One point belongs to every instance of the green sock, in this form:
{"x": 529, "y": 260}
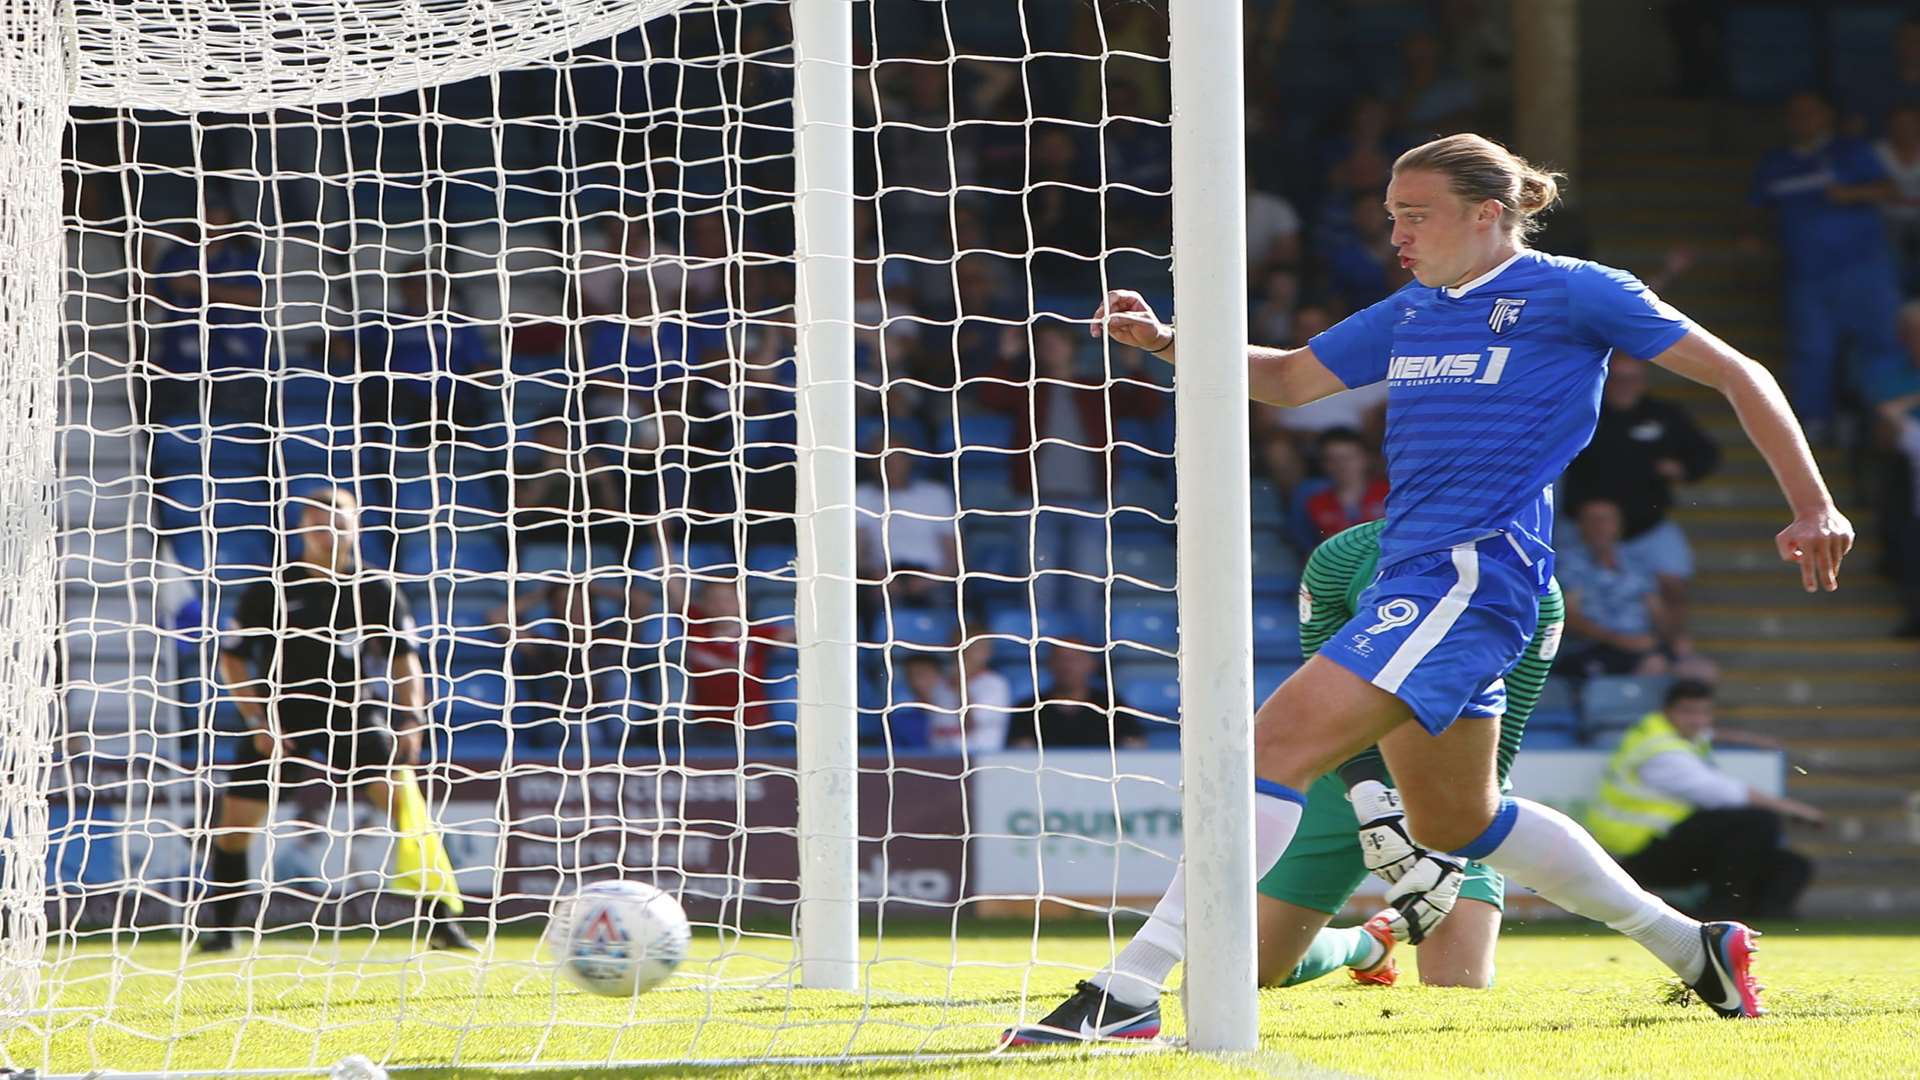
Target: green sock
{"x": 1332, "y": 950}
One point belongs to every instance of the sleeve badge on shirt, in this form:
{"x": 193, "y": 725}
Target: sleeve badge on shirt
{"x": 1506, "y": 312}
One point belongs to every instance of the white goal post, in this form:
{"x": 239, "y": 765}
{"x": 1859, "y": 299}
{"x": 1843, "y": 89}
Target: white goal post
{"x": 711, "y": 383}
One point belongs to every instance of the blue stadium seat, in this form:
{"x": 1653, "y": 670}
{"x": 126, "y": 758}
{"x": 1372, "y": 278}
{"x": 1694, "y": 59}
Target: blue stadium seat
{"x": 1153, "y": 627}
{"x": 776, "y": 608}
{"x": 1133, "y": 665}
{"x": 986, "y": 485}
{"x": 986, "y": 429}
{"x": 180, "y": 504}
{"x": 709, "y": 556}
{"x": 1153, "y": 694}
{"x": 1134, "y": 525}
{"x": 1162, "y": 736}
{"x": 1268, "y": 676}
{"x": 1154, "y": 496}
{"x": 1273, "y": 556}
{"x": 1156, "y": 434}
{"x": 477, "y": 500}
{"x": 306, "y": 455}
{"x": 243, "y": 554}
{"x": 1548, "y": 738}
{"x": 1613, "y": 703}
{"x": 1155, "y": 563}
{"x": 1020, "y": 681}
{"x": 1136, "y": 470}
{"x": 189, "y": 550}
{"x": 916, "y": 627}
{"x": 994, "y": 545}
{"x": 441, "y": 549}
{"x": 177, "y": 452}
{"x": 308, "y": 400}
{"x": 1274, "y": 587}
{"x": 1558, "y": 700}
{"x": 771, "y": 558}
{"x": 243, "y": 503}
{"x": 1276, "y": 632}
{"x": 1268, "y": 506}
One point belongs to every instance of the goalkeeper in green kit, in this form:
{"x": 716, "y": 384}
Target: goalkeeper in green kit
{"x": 1328, "y": 859}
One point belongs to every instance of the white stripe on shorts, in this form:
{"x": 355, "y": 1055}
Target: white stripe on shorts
{"x": 1433, "y": 628}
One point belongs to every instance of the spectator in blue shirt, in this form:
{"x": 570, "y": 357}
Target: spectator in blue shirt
{"x": 1360, "y": 261}
{"x": 1841, "y": 288}
{"x": 413, "y": 355}
{"x": 1613, "y": 604}
{"x": 208, "y": 300}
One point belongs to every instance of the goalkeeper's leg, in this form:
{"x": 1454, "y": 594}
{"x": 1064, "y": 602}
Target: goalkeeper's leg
{"x": 1446, "y": 783}
{"x": 1459, "y": 952}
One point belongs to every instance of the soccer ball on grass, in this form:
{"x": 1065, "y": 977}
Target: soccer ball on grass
{"x": 617, "y": 938}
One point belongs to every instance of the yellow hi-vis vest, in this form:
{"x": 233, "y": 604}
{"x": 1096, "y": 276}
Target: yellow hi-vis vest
{"x": 1627, "y": 815}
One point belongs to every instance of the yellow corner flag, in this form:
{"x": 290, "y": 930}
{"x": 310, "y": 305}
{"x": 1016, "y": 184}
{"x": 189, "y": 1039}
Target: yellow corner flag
{"x": 420, "y": 863}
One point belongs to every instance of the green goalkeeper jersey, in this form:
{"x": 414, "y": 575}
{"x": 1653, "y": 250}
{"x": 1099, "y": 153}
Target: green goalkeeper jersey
{"x": 1341, "y": 568}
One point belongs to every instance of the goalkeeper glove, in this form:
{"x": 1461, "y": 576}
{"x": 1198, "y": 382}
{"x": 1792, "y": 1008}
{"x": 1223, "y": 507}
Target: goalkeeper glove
{"x": 1385, "y": 845}
{"x": 1424, "y": 895}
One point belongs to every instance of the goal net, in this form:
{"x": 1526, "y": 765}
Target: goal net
{"x": 504, "y": 331}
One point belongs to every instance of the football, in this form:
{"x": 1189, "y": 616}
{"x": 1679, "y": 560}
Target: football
{"x": 617, "y": 938}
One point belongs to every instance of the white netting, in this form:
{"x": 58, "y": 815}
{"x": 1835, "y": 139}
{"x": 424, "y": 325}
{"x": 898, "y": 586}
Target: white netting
{"x": 240, "y": 55}
{"x": 535, "y": 315}
{"x": 30, "y": 125}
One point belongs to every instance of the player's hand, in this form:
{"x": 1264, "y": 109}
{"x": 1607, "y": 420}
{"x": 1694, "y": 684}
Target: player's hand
{"x": 1127, "y": 318}
{"x": 1425, "y": 895}
{"x": 406, "y": 747}
{"x": 265, "y": 742}
{"x": 1818, "y": 542}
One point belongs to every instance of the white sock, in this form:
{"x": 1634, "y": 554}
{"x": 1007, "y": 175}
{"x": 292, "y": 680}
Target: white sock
{"x": 1139, "y": 971}
{"x": 1547, "y": 852}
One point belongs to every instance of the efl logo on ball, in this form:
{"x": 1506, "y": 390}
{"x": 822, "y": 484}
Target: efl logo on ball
{"x": 618, "y": 938}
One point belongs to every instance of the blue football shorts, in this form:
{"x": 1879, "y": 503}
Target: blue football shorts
{"x": 1439, "y": 630}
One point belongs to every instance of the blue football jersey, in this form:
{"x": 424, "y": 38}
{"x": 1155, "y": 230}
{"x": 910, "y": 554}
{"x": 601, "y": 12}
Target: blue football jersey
{"x": 1493, "y": 387}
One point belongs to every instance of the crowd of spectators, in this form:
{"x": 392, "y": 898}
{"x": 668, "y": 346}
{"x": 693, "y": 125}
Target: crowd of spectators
{"x": 629, "y": 430}
{"x": 604, "y": 414}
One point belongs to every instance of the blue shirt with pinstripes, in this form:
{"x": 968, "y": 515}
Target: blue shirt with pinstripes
{"x": 1493, "y": 387}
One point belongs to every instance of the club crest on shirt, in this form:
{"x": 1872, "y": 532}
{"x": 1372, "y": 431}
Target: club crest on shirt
{"x": 1506, "y": 312}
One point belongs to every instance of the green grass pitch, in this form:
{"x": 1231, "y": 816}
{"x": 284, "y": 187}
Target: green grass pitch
{"x": 1845, "y": 1002}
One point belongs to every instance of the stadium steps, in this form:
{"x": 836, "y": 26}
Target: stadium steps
{"x": 1817, "y": 621}
{"x": 1826, "y": 721}
{"x": 1714, "y": 554}
{"x": 1817, "y": 671}
{"x": 1849, "y": 654}
{"x": 1816, "y": 684}
{"x": 1877, "y": 756}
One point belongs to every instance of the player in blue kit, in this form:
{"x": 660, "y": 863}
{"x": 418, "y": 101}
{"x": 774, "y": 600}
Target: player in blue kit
{"x": 1494, "y": 358}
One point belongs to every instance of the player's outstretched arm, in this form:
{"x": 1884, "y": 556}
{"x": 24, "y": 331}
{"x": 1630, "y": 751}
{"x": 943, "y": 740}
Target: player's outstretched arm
{"x": 1275, "y": 376}
{"x": 1820, "y": 535}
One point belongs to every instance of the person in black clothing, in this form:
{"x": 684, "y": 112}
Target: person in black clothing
{"x": 1641, "y": 448}
{"x": 1074, "y": 712}
{"x": 321, "y": 661}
